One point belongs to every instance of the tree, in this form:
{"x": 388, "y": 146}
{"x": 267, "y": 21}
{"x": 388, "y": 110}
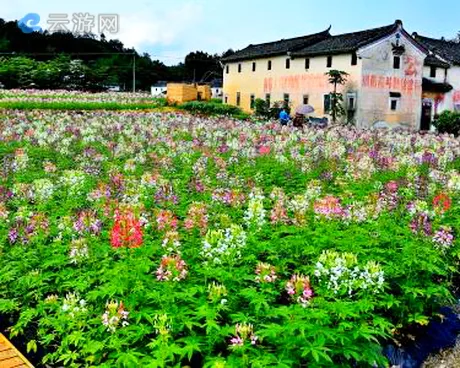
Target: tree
{"x": 336, "y": 77}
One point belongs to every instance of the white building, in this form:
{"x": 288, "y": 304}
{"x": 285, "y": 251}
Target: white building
{"x": 159, "y": 89}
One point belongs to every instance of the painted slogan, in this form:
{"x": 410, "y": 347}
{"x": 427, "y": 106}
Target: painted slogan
{"x": 406, "y": 85}
{"x": 296, "y": 83}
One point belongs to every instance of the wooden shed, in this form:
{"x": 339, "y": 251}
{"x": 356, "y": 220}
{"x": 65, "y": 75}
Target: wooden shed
{"x": 181, "y": 92}
{"x": 10, "y": 357}
{"x": 184, "y": 92}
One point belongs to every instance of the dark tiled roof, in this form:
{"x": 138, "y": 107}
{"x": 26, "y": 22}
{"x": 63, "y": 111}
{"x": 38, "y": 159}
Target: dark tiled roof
{"x": 432, "y": 60}
{"x": 347, "y": 42}
{"x": 160, "y": 84}
{"x": 448, "y": 50}
{"x": 280, "y": 47}
{"x": 432, "y": 86}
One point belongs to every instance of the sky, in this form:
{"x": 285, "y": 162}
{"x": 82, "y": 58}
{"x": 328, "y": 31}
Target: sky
{"x": 170, "y": 29}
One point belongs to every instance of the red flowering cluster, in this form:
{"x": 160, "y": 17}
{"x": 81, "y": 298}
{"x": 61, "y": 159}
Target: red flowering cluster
{"x": 442, "y": 203}
{"x": 127, "y": 230}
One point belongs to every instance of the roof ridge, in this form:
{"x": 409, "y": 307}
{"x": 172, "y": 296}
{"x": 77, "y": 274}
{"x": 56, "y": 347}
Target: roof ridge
{"x": 366, "y": 30}
{"x": 290, "y": 39}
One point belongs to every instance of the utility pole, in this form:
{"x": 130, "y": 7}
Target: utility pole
{"x": 134, "y": 71}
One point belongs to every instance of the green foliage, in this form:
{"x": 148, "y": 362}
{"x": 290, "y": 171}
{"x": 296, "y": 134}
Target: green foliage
{"x": 210, "y": 108}
{"x": 190, "y": 322}
{"x": 336, "y": 77}
{"x": 448, "y": 122}
{"x": 103, "y": 62}
{"x": 261, "y": 108}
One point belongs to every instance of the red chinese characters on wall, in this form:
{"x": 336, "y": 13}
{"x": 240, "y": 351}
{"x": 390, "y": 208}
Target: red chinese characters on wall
{"x": 412, "y": 66}
{"x": 296, "y": 83}
{"x": 405, "y": 85}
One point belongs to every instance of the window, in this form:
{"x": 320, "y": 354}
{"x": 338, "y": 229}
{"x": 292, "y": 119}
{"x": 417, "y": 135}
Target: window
{"x": 267, "y": 99}
{"x": 307, "y": 63}
{"x": 327, "y": 103}
{"x": 253, "y": 100}
{"x": 354, "y": 59}
{"x": 305, "y": 99}
{"x": 227, "y": 69}
{"x": 286, "y": 99}
{"x": 329, "y": 61}
{"x": 253, "y": 66}
{"x": 288, "y": 63}
{"x": 269, "y": 65}
{"x": 239, "y": 68}
{"x": 395, "y": 100}
{"x": 226, "y": 99}
{"x": 351, "y": 101}
{"x": 396, "y": 62}
{"x": 433, "y": 72}
{"x": 238, "y": 98}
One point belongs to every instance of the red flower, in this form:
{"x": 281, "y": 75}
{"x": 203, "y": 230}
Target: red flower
{"x": 126, "y": 231}
{"x": 442, "y": 203}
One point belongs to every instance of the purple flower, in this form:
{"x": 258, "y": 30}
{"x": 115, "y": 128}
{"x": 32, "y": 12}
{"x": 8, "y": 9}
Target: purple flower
{"x": 13, "y": 236}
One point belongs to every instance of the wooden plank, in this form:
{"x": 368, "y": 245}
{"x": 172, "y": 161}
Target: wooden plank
{"x": 3, "y": 347}
{"x": 11, "y": 363}
{"x": 6, "y": 354}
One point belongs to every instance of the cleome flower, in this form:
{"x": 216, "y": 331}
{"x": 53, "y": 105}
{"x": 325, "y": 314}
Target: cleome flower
{"x": 217, "y": 293}
{"x": 115, "y": 316}
{"x": 197, "y": 217}
{"x": 244, "y": 332}
{"x": 223, "y": 246}
{"x": 299, "y": 289}
{"x": 255, "y": 214}
{"x": 443, "y": 238}
{"x": 442, "y": 203}
{"x": 171, "y": 242}
{"x": 126, "y": 230}
{"x": 265, "y": 273}
{"x": 172, "y": 268}
{"x": 73, "y": 305}
{"x": 78, "y": 251}
{"x": 341, "y": 273}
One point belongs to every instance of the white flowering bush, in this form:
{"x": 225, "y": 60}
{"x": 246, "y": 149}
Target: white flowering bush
{"x": 223, "y": 246}
{"x": 341, "y": 274}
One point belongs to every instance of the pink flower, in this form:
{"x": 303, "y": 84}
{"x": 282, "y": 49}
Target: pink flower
{"x": 264, "y": 150}
{"x": 265, "y": 273}
{"x": 298, "y": 287}
{"x": 172, "y": 268}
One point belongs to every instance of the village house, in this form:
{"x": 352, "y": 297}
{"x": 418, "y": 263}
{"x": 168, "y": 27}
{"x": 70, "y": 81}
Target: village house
{"x": 392, "y": 75}
{"x": 159, "y": 89}
{"x": 441, "y": 82}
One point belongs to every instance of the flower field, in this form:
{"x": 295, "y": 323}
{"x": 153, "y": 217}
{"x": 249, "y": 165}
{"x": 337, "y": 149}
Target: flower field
{"x": 137, "y": 239}
{"x": 75, "y": 100}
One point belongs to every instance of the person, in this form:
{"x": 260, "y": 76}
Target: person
{"x": 284, "y": 117}
{"x": 298, "y": 121}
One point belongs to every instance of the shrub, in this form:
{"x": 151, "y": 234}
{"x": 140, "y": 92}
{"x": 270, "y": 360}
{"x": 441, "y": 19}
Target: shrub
{"x": 261, "y": 108}
{"x": 210, "y": 108}
{"x": 448, "y": 122}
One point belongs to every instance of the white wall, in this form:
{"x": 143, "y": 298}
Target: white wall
{"x": 379, "y": 78}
